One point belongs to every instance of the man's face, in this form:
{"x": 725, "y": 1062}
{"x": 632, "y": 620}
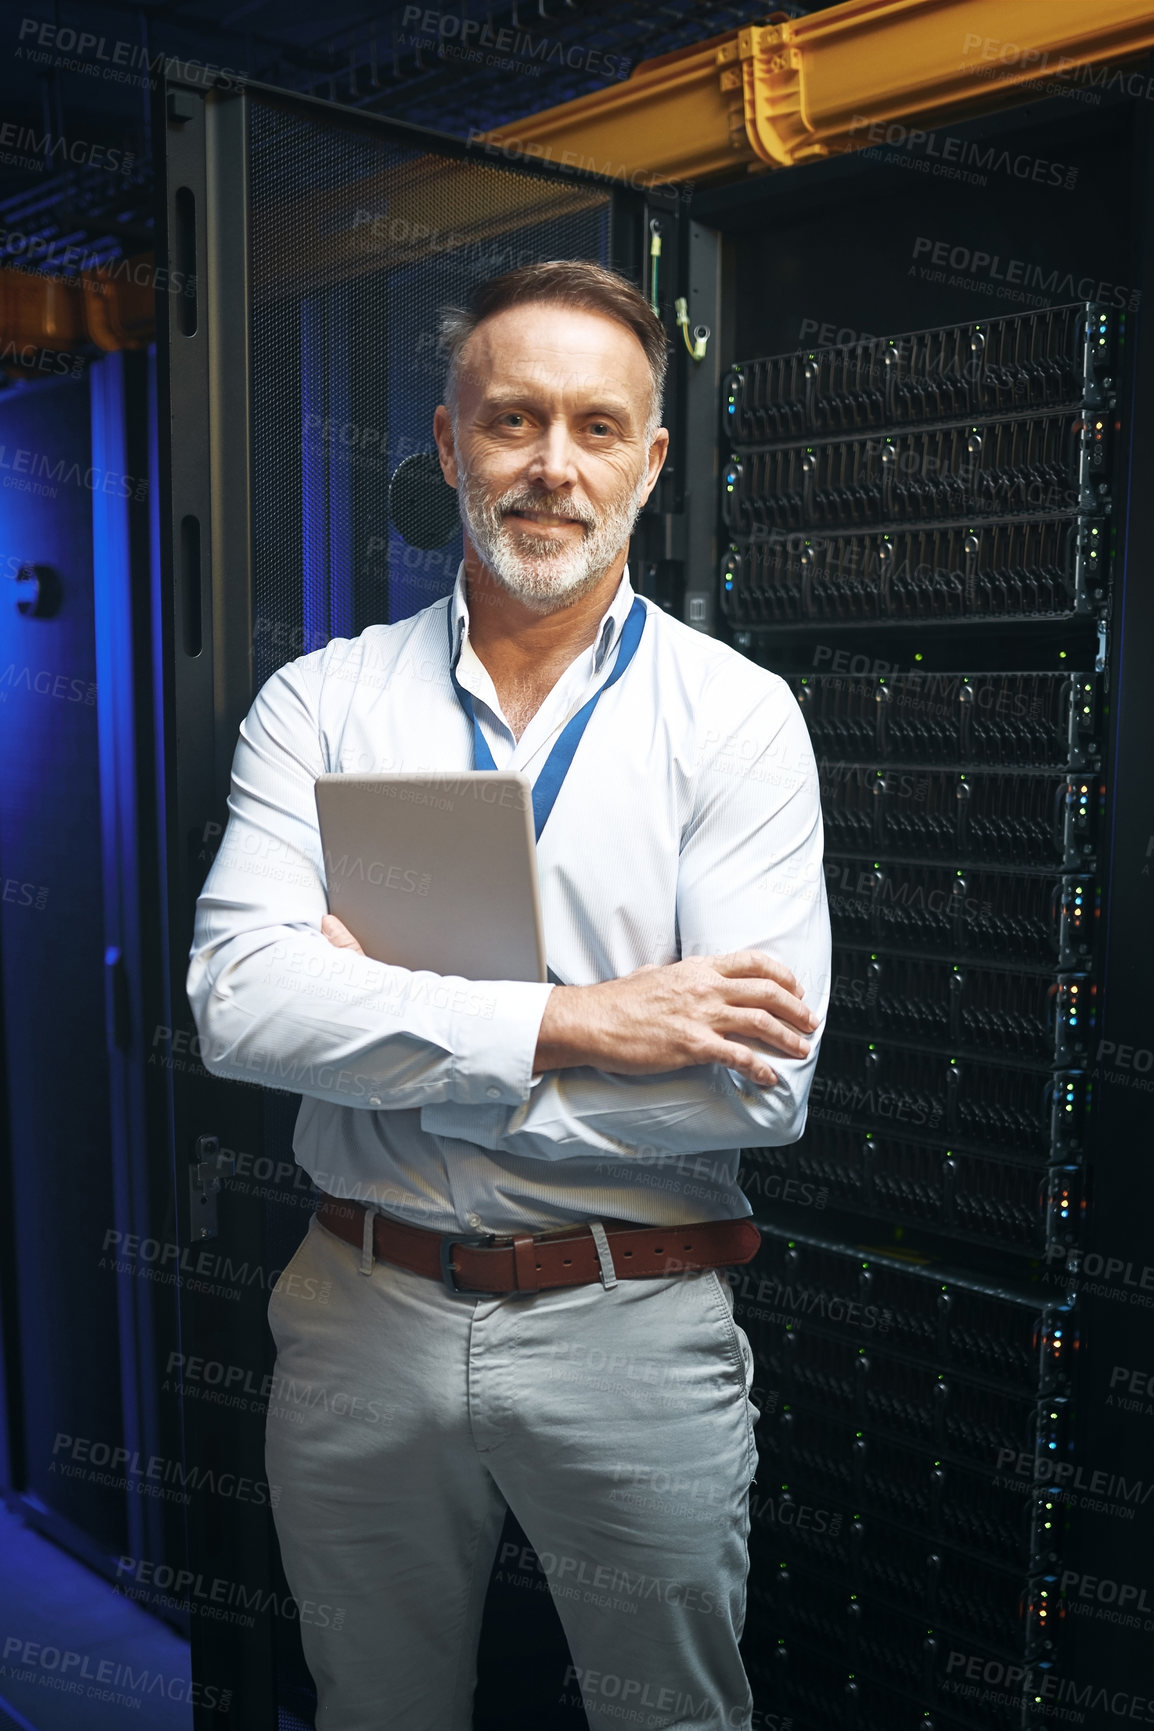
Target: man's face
{"x": 549, "y": 455}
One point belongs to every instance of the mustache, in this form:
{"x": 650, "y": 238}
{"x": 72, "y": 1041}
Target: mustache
{"x": 554, "y": 505}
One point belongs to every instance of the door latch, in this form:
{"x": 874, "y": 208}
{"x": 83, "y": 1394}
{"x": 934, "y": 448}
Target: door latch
{"x": 207, "y": 1169}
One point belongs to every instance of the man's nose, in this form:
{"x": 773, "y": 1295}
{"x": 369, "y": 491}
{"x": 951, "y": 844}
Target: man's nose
{"x": 552, "y": 462}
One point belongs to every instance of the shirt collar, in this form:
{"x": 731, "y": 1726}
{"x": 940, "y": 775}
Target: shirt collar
{"x": 609, "y": 630}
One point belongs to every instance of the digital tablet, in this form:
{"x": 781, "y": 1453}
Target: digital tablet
{"x": 436, "y": 872}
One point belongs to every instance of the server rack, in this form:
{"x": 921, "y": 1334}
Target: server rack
{"x": 934, "y": 534}
{"x": 960, "y": 814}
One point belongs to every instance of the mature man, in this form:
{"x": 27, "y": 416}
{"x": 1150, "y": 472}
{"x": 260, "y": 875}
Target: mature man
{"x": 590, "y": 1376}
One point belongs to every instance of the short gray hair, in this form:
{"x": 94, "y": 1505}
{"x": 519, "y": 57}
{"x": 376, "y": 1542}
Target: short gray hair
{"x": 573, "y": 283}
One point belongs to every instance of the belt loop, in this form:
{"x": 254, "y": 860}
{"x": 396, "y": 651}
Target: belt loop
{"x": 367, "y": 1239}
{"x": 604, "y": 1255}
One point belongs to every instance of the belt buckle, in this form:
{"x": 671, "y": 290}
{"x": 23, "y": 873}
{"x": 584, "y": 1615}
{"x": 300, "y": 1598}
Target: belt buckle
{"x": 448, "y": 1273}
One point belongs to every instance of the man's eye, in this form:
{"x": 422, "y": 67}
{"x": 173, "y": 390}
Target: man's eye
{"x": 599, "y": 427}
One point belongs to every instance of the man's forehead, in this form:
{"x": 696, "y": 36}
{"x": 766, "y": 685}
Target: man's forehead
{"x": 559, "y": 373}
{"x": 591, "y": 356}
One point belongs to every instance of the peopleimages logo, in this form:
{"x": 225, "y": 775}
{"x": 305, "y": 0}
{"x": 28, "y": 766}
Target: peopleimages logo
{"x": 420, "y": 23}
{"x": 192, "y": 1592}
{"x": 47, "y": 148}
{"x": 944, "y": 149}
{"x": 76, "y": 1673}
{"x": 127, "y": 1469}
{"x": 391, "y": 877}
{"x": 1057, "y": 284}
{"x": 53, "y": 44}
{"x": 999, "y": 1682}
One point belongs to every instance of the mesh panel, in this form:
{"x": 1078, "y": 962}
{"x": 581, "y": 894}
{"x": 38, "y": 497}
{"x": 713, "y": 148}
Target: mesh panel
{"x": 287, "y": 1721}
{"x": 357, "y": 241}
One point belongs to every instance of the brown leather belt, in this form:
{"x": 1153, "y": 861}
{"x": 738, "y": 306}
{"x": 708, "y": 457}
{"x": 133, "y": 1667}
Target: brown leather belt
{"x": 535, "y": 1261}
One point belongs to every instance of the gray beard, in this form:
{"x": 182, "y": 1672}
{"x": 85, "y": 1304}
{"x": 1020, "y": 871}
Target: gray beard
{"x": 541, "y": 573}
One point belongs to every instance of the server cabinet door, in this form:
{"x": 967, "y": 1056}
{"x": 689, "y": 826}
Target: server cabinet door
{"x": 305, "y": 252}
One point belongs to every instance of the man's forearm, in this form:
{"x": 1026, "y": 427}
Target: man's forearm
{"x": 577, "y": 1112}
{"x": 564, "y": 1037}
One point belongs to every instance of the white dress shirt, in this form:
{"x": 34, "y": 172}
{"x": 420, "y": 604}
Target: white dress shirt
{"x": 688, "y": 824}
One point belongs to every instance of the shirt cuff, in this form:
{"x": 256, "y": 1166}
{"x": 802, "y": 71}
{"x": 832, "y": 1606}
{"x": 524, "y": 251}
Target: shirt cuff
{"x": 495, "y": 1036}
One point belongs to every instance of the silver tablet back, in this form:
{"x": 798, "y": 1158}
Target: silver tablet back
{"x": 436, "y": 871}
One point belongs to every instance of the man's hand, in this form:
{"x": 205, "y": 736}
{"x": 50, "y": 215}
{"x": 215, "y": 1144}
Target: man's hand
{"x": 700, "y": 1011}
{"x": 339, "y": 934}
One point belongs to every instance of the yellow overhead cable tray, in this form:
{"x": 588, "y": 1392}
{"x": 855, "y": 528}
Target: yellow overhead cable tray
{"x": 104, "y": 309}
{"x": 804, "y": 88}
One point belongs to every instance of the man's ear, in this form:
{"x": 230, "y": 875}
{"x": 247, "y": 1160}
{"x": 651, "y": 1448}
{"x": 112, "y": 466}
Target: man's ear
{"x": 658, "y": 451}
{"x": 443, "y": 434}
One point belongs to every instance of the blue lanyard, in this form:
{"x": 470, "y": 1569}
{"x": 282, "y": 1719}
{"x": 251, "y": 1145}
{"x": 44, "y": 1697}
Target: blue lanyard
{"x": 548, "y": 783}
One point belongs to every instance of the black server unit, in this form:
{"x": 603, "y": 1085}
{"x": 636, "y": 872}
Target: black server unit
{"x": 934, "y": 523}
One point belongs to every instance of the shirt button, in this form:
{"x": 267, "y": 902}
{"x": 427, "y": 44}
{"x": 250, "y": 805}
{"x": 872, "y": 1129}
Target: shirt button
{"x": 374, "y": 1099}
{"x": 493, "y": 1093}
{"x": 474, "y": 1221}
